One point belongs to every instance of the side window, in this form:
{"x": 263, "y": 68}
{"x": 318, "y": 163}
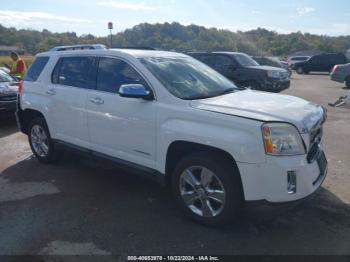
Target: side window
{"x": 113, "y": 73}
{"x": 36, "y": 68}
{"x": 315, "y": 59}
{"x": 224, "y": 65}
{"x": 208, "y": 60}
{"x": 337, "y": 59}
{"x": 223, "y": 61}
{"x": 73, "y": 71}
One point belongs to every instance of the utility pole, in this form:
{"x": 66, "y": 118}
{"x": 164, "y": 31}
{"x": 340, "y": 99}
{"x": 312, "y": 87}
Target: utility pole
{"x": 110, "y": 27}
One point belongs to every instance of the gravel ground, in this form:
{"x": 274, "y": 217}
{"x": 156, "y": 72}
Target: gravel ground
{"x": 84, "y": 206}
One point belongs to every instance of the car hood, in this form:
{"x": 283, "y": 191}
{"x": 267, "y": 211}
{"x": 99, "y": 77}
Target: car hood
{"x": 266, "y": 107}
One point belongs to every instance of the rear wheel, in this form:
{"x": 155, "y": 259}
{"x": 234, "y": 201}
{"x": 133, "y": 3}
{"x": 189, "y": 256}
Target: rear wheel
{"x": 207, "y": 189}
{"x": 347, "y": 82}
{"x": 300, "y": 70}
{"x": 40, "y": 141}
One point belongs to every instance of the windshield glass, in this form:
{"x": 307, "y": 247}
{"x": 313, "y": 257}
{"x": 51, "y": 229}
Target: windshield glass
{"x": 245, "y": 60}
{"x": 187, "y": 78}
{"x": 4, "y": 77}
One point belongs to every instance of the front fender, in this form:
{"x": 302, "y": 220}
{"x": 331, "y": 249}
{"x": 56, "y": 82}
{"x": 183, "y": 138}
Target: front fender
{"x": 243, "y": 142}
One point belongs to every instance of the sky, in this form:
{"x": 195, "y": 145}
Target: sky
{"x": 91, "y": 16}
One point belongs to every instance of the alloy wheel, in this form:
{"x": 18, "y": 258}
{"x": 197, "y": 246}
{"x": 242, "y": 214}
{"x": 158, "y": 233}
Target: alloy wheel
{"x": 39, "y": 141}
{"x": 202, "y": 191}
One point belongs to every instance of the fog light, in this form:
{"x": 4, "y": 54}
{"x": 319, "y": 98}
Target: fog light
{"x": 291, "y": 182}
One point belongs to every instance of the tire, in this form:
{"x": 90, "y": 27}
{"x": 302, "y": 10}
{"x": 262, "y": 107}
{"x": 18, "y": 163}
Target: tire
{"x": 203, "y": 204}
{"x": 347, "y": 82}
{"x": 299, "y": 70}
{"x": 41, "y": 143}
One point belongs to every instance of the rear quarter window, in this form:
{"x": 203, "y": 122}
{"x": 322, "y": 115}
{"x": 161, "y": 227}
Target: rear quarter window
{"x": 73, "y": 71}
{"x": 36, "y": 68}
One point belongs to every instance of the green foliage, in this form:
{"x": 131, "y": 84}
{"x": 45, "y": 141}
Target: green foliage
{"x": 183, "y": 39}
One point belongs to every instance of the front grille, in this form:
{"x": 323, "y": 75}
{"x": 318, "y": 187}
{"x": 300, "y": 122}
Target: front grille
{"x": 8, "y": 98}
{"x": 284, "y": 75}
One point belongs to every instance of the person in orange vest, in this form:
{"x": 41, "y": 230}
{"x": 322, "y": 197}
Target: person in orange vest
{"x": 18, "y": 67}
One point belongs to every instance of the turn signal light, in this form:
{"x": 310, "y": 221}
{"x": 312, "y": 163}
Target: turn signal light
{"x": 335, "y": 68}
{"x": 268, "y": 140}
{"x": 20, "y": 87}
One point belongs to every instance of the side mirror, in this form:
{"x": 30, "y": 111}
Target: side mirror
{"x": 135, "y": 91}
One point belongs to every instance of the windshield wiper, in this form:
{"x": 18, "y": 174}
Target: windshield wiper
{"x": 225, "y": 92}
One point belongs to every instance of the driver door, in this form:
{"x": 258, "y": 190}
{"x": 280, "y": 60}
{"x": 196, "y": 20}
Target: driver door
{"x": 124, "y": 128}
{"x": 226, "y": 66}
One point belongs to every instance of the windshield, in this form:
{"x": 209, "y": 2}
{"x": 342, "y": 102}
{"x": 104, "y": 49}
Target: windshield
{"x": 187, "y": 78}
{"x": 4, "y": 77}
{"x": 245, "y": 60}
{"x": 301, "y": 58}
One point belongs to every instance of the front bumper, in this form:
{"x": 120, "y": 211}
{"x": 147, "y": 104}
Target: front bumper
{"x": 269, "y": 181}
{"x": 7, "y": 107}
{"x": 276, "y": 85}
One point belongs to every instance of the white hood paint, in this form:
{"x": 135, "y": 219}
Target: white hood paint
{"x": 265, "y": 107}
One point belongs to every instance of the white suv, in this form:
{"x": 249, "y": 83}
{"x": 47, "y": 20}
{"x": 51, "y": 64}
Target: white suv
{"x": 176, "y": 120}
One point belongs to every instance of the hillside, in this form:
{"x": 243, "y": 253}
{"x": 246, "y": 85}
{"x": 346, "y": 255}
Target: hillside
{"x": 183, "y": 38}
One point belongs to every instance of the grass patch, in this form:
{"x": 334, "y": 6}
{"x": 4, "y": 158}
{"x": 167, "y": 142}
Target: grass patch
{"x": 7, "y": 60}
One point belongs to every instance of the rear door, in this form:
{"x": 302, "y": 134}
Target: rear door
{"x": 315, "y": 64}
{"x": 124, "y": 128}
{"x": 325, "y": 63}
{"x": 71, "y": 79}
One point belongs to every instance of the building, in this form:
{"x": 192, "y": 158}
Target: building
{"x": 6, "y": 50}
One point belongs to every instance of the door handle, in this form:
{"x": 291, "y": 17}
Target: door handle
{"x": 97, "y": 101}
{"x": 51, "y": 92}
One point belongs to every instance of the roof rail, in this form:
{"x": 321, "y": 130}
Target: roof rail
{"x": 78, "y": 47}
{"x": 137, "y": 48}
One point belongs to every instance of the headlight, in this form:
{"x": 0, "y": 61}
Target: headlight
{"x": 282, "y": 139}
{"x": 273, "y": 74}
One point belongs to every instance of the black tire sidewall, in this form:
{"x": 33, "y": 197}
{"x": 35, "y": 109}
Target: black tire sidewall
{"x": 51, "y": 156}
{"x": 229, "y": 179}
{"x": 299, "y": 70}
{"x": 347, "y": 82}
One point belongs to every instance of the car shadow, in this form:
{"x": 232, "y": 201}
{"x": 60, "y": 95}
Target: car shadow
{"x": 96, "y": 201}
{"x": 8, "y": 126}
{"x": 319, "y": 73}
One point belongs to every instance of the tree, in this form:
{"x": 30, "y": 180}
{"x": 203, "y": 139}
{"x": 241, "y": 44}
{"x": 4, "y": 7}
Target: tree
{"x": 181, "y": 38}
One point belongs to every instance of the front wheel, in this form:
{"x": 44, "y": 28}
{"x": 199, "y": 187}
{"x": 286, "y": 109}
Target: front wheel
{"x": 40, "y": 141}
{"x": 207, "y": 189}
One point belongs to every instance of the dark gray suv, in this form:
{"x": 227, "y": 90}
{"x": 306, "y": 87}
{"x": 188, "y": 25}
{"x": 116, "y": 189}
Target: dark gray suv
{"x": 245, "y": 71}
{"x": 8, "y": 94}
